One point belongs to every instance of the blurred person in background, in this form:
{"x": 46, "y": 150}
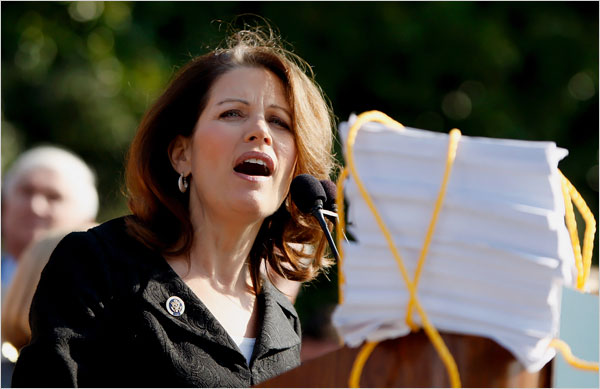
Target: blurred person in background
{"x": 47, "y": 187}
{"x": 173, "y": 295}
{"x": 16, "y": 332}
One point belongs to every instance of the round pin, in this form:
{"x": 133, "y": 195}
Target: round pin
{"x": 175, "y": 306}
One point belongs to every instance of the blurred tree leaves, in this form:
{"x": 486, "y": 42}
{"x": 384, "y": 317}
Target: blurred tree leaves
{"x": 81, "y": 74}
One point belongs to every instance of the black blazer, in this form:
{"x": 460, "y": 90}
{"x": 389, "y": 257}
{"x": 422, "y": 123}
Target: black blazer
{"x": 99, "y": 319}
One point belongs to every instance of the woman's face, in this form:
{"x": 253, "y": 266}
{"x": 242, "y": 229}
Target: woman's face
{"x": 242, "y": 151}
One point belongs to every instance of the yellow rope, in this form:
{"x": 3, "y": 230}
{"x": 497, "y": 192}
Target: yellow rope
{"x": 570, "y": 358}
{"x": 359, "y": 363}
{"x": 362, "y": 118}
{"x": 572, "y": 228}
{"x": 583, "y": 259}
{"x": 339, "y": 201}
{"x": 430, "y": 330}
{"x": 452, "y": 146}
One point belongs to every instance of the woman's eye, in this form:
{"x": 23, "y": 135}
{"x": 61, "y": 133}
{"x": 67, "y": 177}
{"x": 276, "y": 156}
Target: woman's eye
{"x": 232, "y": 113}
{"x": 279, "y": 122}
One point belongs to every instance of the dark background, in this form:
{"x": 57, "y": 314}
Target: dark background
{"x": 81, "y": 75}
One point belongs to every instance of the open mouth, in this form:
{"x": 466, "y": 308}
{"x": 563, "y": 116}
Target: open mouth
{"x": 253, "y": 167}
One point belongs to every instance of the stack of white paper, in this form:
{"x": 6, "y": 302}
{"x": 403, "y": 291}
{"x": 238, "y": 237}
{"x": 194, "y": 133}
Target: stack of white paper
{"x": 500, "y": 253}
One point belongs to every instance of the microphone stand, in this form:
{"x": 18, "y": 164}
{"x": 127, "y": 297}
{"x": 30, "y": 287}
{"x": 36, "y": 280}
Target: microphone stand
{"x": 317, "y": 212}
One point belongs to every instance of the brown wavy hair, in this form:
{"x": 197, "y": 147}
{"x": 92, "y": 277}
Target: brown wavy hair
{"x": 291, "y": 243}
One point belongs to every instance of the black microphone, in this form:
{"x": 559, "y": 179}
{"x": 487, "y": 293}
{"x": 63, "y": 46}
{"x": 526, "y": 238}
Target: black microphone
{"x": 309, "y": 196}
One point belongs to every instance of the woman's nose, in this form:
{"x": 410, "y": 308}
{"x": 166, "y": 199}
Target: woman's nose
{"x": 259, "y": 132}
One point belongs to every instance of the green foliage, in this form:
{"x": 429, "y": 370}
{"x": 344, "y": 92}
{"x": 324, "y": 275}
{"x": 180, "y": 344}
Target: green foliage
{"x": 81, "y": 74}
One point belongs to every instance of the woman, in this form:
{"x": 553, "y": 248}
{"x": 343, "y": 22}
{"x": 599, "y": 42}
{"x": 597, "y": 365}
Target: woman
{"x": 176, "y": 294}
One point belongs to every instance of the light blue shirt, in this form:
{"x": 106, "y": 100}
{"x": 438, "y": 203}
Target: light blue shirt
{"x": 8, "y": 267}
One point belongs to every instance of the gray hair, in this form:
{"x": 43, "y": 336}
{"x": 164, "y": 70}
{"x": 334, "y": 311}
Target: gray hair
{"x": 78, "y": 174}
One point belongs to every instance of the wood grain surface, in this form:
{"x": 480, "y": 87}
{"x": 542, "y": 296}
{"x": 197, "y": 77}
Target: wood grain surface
{"x": 411, "y": 361}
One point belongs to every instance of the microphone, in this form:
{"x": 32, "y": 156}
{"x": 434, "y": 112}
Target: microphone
{"x": 309, "y": 196}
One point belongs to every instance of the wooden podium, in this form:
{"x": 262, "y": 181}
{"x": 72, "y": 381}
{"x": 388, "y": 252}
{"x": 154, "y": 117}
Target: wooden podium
{"x": 411, "y": 361}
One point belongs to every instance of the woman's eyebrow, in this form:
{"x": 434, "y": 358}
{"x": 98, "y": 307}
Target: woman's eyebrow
{"x": 233, "y": 100}
{"x": 245, "y": 102}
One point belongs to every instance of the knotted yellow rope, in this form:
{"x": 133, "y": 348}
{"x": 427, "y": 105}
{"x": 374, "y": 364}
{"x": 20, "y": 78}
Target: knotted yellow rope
{"x": 570, "y": 195}
{"x": 430, "y": 330}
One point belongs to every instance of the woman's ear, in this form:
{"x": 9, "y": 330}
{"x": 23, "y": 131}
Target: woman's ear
{"x": 180, "y": 154}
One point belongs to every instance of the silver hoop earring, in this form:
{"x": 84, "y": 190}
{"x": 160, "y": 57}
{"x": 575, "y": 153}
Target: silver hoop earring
{"x": 183, "y": 183}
